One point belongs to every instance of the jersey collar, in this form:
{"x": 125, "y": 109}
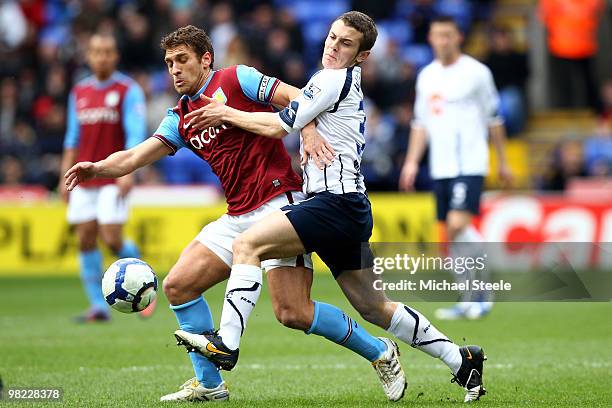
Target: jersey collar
{"x": 203, "y": 88}
{"x": 103, "y": 84}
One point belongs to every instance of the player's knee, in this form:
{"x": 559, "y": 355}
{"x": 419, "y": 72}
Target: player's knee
{"x": 454, "y": 228}
{"x": 170, "y": 286}
{"x": 176, "y": 288}
{"x": 243, "y": 244}
{"x": 88, "y": 243}
{"x": 292, "y": 317}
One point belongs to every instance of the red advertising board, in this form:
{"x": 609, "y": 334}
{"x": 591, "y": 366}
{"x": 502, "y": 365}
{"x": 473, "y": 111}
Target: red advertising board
{"x": 521, "y": 219}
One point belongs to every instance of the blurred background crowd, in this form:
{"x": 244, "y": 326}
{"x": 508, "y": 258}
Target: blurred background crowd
{"x": 556, "y": 90}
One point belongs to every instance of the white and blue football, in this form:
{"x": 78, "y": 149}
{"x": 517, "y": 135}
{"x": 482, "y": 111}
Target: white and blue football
{"x": 129, "y": 285}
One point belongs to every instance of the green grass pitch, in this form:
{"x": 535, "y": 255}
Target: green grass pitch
{"x": 540, "y": 354}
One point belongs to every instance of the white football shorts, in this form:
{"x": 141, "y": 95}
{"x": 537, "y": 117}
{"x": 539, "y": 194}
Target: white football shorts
{"x": 102, "y": 204}
{"x": 219, "y": 235}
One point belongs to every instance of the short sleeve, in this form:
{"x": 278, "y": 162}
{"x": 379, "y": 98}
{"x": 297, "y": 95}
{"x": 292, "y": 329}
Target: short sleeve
{"x": 255, "y": 85}
{"x": 71, "y": 139}
{"x": 319, "y": 95}
{"x": 420, "y": 107}
{"x": 489, "y": 99}
{"x": 168, "y": 132}
{"x": 134, "y": 116}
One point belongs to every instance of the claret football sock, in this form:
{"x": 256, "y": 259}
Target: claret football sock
{"x": 195, "y": 317}
{"x": 333, "y": 324}
{"x": 128, "y": 250}
{"x": 413, "y": 328}
{"x": 91, "y": 276}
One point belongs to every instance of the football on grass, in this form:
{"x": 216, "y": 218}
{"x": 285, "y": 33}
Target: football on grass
{"x": 129, "y": 285}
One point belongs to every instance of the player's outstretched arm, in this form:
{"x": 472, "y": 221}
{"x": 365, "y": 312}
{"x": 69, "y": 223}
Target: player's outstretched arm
{"x": 215, "y": 113}
{"x": 284, "y": 94}
{"x": 117, "y": 164}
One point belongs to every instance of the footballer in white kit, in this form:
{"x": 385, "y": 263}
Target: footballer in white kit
{"x": 455, "y": 111}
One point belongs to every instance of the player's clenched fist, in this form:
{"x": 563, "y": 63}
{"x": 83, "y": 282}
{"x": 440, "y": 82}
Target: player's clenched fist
{"x": 78, "y": 173}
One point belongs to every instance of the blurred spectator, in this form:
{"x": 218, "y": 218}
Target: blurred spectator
{"x": 286, "y": 20}
{"x": 294, "y": 71}
{"x": 422, "y": 13}
{"x": 277, "y": 52}
{"x": 13, "y": 25}
{"x": 482, "y": 9}
{"x": 378, "y": 10}
{"x": 396, "y": 78}
{"x": 377, "y": 164}
{"x": 222, "y": 33}
{"x": 598, "y": 151}
{"x": 572, "y": 42}
{"x": 567, "y": 162}
{"x": 11, "y": 172}
{"x": 510, "y": 71}
{"x": 136, "y": 43}
{"x": 236, "y": 54}
{"x": 606, "y": 99}
{"x": 8, "y": 108}
{"x": 256, "y": 32}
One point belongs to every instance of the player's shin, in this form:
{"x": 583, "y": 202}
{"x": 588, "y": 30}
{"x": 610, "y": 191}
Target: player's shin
{"x": 241, "y": 295}
{"x": 333, "y": 324}
{"x": 91, "y": 276}
{"x": 415, "y": 329}
{"x": 195, "y": 317}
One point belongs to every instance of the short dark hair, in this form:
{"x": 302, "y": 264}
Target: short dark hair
{"x": 364, "y": 24}
{"x": 106, "y": 36}
{"x": 445, "y": 19}
{"x": 193, "y": 37}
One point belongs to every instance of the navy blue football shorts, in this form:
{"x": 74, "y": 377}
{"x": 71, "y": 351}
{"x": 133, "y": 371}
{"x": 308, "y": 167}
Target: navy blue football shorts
{"x": 335, "y": 226}
{"x": 459, "y": 193}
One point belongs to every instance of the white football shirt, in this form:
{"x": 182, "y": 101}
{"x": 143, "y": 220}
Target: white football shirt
{"x": 455, "y": 105}
{"x": 335, "y": 99}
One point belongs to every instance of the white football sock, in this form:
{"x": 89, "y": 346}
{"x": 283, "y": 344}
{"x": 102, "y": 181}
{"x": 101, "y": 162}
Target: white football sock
{"x": 469, "y": 234}
{"x": 413, "y": 328}
{"x": 241, "y": 294}
{"x": 468, "y": 244}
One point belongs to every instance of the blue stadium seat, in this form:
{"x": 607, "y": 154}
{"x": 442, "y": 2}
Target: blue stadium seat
{"x": 460, "y": 10}
{"x": 399, "y": 31}
{"x": 417, "y": 54}
{"x": 404, "y": 8}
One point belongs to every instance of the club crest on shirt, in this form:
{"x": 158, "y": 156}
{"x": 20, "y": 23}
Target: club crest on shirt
{"x": 111, "y": 99}
{"x": 219, "y": 95}
{"x": 311, "y": 92}
{"x": 436, "y": 104}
